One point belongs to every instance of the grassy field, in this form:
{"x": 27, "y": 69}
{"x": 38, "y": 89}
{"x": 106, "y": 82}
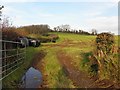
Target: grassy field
{"x": 74, "y": 49}
{"x": 75, "y": 46}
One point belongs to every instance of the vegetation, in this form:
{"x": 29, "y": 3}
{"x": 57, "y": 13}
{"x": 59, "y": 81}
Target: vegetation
{"x": 85, "y": 54}
{"x": 36, "y": 29}
{"x": 56, "y": 75}
{"x": 13, "y": 80}
{"x": 104, "y": 59}
{"x": 44, "y": 38}
{"x": 77, "y": 54}
{"x": 66, "y": 28}
{"x": 79, "y": 49}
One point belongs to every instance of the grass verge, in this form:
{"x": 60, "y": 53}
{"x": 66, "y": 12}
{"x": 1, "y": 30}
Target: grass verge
{"x": 13, "y": 79}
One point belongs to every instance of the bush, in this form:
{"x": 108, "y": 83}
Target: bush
{"x": 9, "y": 34}
{"x": 104, "y": 42}
{"x": 104, "y": 55}
{"x": 103, "y": 61}
{"x": 44, "y": 39}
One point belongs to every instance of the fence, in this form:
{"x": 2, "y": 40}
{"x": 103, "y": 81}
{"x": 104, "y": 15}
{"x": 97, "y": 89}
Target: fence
{"x": 12, "y": 56}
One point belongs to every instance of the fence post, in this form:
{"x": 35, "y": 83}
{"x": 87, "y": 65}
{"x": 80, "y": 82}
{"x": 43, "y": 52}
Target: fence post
{"x": 17, "y": 54}
{"x": 5, "y": 59}
{"x": 25, "y": 53}
{"x": 0, "y": 63}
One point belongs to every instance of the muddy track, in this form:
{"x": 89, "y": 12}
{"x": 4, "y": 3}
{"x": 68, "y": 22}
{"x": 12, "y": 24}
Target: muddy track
{"x": 38, "y": 58}
{"x": 80, "y": 78}
{"x": 38, "y": 63}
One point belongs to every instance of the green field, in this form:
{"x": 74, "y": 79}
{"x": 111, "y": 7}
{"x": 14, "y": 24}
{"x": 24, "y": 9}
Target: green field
{"x": 72, "y": 48}
{"x": 75, "y": 46}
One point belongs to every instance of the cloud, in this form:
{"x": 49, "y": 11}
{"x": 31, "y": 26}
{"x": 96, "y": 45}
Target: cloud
{"x": 93, "y": 17}
{"x": 46, "y": 15}
{"x": 95, "y": 14}
{"x": 103, "y": 24}
{"x": 4, "y": 1}
{"x": 59, "y": 1}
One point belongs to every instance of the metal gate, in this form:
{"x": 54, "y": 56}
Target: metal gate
{"x": 12, "y": 56}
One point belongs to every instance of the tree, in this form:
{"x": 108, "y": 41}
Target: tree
{"x": 36, "y": 29}
{"x": 1, "y": 7}
{"x": 55, "y": 29}
{"x": 62, "y": 28}
{"x": 94, "y": 32}
{"x": 0, "y": 17}
{"x": 65, "y": 27}
{"x": 5, "y": 23}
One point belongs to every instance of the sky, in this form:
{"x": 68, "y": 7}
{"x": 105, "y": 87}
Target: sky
{"x": 84, "y": 15}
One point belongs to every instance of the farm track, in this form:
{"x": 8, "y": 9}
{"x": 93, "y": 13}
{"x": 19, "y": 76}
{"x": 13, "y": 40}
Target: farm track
{"x": 39, "y": 65}
{"x": 80, "y": 79}
{"x": 68, "y": 43}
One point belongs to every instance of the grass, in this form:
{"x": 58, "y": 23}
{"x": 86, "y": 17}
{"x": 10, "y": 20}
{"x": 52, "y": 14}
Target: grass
{"x": 83, "y": 45}
{"x": 79, "y": 47}
{"x": 56, "y": 76}
{"x": 13, "y": 79}
{"x": 80, "y": 51}
{"x": 74, "y": 37}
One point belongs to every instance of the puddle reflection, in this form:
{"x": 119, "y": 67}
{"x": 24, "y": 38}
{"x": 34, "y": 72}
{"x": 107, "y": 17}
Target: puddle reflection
{"x": 31, "y": 79}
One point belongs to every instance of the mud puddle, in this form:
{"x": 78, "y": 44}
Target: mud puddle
{"x": 31, "y": 79}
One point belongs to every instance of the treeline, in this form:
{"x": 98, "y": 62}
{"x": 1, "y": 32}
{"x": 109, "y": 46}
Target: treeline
{"x": 39, "y": 32}
{"x": 10, "y": 32}
{"x": 36, "y": 29}
{"x": 66, "y": 28}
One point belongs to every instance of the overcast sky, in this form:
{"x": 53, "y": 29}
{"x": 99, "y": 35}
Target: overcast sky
{"x": 102, "y": 16}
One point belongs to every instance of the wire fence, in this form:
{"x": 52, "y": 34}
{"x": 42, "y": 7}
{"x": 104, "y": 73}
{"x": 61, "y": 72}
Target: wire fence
{"x": 12, "y": 56}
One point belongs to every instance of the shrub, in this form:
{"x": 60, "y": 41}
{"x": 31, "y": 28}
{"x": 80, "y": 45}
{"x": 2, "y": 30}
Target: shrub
{"x": 45, "y": 38}
{"x": 104, "y": 57}
{"x": 103, "y": 61}
{"x": 104, "y": 42}
{"x": 9, "y": 34}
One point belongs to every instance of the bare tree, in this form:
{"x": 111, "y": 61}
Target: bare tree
{"x": 94, "y": 32}
{"x": 1, "y": 11}
{"x": 5, "y": 23}
{"x": 0, "y": 16}
{"x": 62, "y": 28}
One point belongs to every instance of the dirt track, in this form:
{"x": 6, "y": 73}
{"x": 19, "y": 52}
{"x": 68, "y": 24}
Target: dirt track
{"x": 39, "y": 65}
{"x": 79, "y": 78}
